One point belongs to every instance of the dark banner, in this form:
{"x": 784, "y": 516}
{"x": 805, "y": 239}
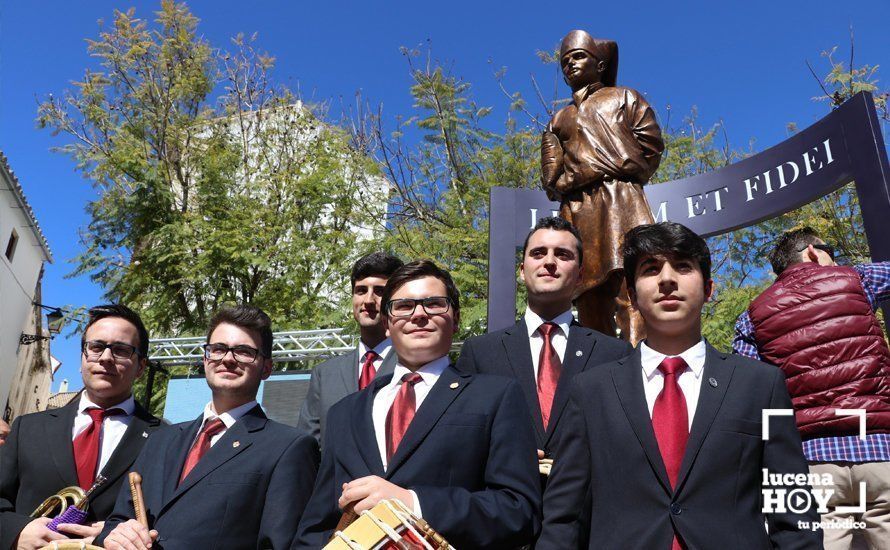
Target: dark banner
{"x": 843, "y": 147}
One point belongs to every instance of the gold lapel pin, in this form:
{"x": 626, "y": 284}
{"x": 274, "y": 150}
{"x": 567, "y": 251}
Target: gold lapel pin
{"x": 236, "y": 444}
{"x": 454, "y": 385}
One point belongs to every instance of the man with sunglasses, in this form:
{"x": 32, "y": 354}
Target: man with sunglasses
{"x": 232, "y": 478}
{"x": 817, "y": 323}
{"x": 100, "y": 432}
{"x": 456, "y": 447}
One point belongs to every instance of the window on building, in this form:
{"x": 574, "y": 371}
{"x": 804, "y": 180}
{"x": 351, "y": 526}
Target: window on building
{"x": 10, "y": 245}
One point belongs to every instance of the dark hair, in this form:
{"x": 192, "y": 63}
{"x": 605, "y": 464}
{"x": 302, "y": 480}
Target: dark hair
{"x": 247, "y": 317}
{"x": 375, "y": 264}
{"x": 418, "y": 270}
{"x": 789, "y": 247}
{"x": 122, "y": 312}
{"x": 556, "y": 224}
{"x": 668, "y": 239}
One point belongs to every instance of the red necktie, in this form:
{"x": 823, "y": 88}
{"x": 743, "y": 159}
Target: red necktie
{"x": 87, "y": 445}
{"x": 201, "y": 445}
{"x": 670, "y": 420}
{"x": 549, "y": 367}
{"x": 368, "y": 370}
{"x": 401, "y": 413}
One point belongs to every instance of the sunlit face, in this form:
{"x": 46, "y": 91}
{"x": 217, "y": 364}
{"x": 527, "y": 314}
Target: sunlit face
{"x": 550, "y": 268}
{"x": 109, "y": 379}
{"x": 230, "y": 377}
{"x": 366, "y": 295}
{"x": 421, "y": 338}
{"x": 669, "y": 293}
{"x": 581, "y": 69}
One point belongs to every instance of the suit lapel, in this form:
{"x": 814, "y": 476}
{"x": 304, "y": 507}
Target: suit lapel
{"x": 709, "y": 400}
{"x": 127, "y": 450}
{"x": 363, "y": 426}
{"x": 389, "y": 363}
{"x": 441, "y": 395}
{"x": 173, "y": 467}
{"x": 579, "y": 350}
{"x": 59, "y": 442}
{"x": 349, "y": 371}
{"x": 235, "y": 441}
{"x": 519, "y": 354}
{"x": 628, "y": 378}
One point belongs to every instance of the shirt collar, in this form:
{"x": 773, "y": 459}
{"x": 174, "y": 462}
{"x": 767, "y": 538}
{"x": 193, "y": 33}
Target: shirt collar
{"x": 128, "y": 405}
{"x": 585, "y": 92}
{"x": 429, "y": 372}
{"x": 229, "y": 417}
{"x": 533, "y": 321}
{"x": 694, "y": 357}
{"x": 381, "y": 349}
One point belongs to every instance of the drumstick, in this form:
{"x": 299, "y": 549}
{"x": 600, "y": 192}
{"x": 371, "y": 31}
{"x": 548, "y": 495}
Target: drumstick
{"x": 138, "y": 503}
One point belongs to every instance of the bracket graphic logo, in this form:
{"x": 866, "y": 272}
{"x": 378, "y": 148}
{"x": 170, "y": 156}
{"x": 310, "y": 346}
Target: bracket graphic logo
{"x": 797, "y": 493}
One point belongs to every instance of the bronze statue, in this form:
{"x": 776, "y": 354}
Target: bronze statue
{"x": 596, "y": 155}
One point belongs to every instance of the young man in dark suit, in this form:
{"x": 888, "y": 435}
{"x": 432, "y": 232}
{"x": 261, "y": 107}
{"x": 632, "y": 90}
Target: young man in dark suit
{"x": 232, "y": 478}
{"x": 337, "y": 377}
{"x": 455, "y": 447}
{"x": 100, "y": 432}
{"x": 546, "y": 348}
{"x": 668, "y": 441}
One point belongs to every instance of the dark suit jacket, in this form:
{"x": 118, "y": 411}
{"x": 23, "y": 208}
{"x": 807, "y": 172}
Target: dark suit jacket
{"x": 467, "y": 454}
{"x": 717, "y": 503}
{"x": 248, "y": 491}
{"x": 508, "y": 353}
{"x": 38, "y": 460}
{"x": 331, "y": 381}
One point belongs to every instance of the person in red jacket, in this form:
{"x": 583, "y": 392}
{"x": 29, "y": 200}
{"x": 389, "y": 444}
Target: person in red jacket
{"x": 817, "y": 323}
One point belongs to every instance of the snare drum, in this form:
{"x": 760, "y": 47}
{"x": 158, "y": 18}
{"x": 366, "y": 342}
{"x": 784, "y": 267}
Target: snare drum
{"x": 70, "y": 545}
{"x": 389, "y": 524}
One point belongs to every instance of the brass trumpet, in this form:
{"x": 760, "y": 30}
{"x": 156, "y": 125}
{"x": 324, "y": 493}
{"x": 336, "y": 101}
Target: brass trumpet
{"x": 69, "y": 496}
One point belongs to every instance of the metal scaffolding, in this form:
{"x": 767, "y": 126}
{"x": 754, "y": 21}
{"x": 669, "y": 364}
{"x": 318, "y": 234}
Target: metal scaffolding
{"x": 287, "y": 347}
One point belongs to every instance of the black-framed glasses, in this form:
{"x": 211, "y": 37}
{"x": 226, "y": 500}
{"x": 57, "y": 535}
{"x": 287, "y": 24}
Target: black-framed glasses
{"x": 827, "y": 248}
{"x": 93, "y": 349}
{"x": 404, "y": 307}
{"x": 242, "y": 354}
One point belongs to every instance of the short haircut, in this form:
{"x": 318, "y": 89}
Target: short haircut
{"x": 668, "y": 239}
{"x": 122, "y": 312}
{"x": 556, "y": 224}
{"x": 247, "y": 317}
{"x": 375, "y": 264}
{"x": 419, "y": 270}
{"x": 790, "y": 245}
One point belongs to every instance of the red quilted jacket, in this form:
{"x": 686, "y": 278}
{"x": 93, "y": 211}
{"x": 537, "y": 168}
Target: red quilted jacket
{"x": 817, "y": 325}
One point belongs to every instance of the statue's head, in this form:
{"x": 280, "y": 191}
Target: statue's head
{"x": 586, "y": 60}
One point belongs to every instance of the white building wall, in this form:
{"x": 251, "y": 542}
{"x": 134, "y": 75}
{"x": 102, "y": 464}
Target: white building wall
{"x": 18, "y": 278}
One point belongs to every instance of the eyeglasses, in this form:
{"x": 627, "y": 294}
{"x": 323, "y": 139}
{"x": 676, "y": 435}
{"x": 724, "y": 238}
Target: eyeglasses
{"x": 404, "y": 307}
{"x": 242, "y": 354}
{"x": 93, "y": 349}
{"x": 827, "y": 248}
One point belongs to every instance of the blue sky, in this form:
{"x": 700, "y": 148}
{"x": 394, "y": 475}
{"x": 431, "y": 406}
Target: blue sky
{"x": 742, "y": 63}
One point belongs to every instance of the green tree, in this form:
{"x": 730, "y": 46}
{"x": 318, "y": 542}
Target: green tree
{"x": 213, "y": 183}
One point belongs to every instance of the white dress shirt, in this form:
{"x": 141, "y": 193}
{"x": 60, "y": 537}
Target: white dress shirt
{"x": 387, "y": 395}
{"x": 560, "y": 338}
{"x": 228, "y": 419}
{"x": 113, "y": 427}
{"x": 382, "y": 350}
{"x": 689, "y": 380}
